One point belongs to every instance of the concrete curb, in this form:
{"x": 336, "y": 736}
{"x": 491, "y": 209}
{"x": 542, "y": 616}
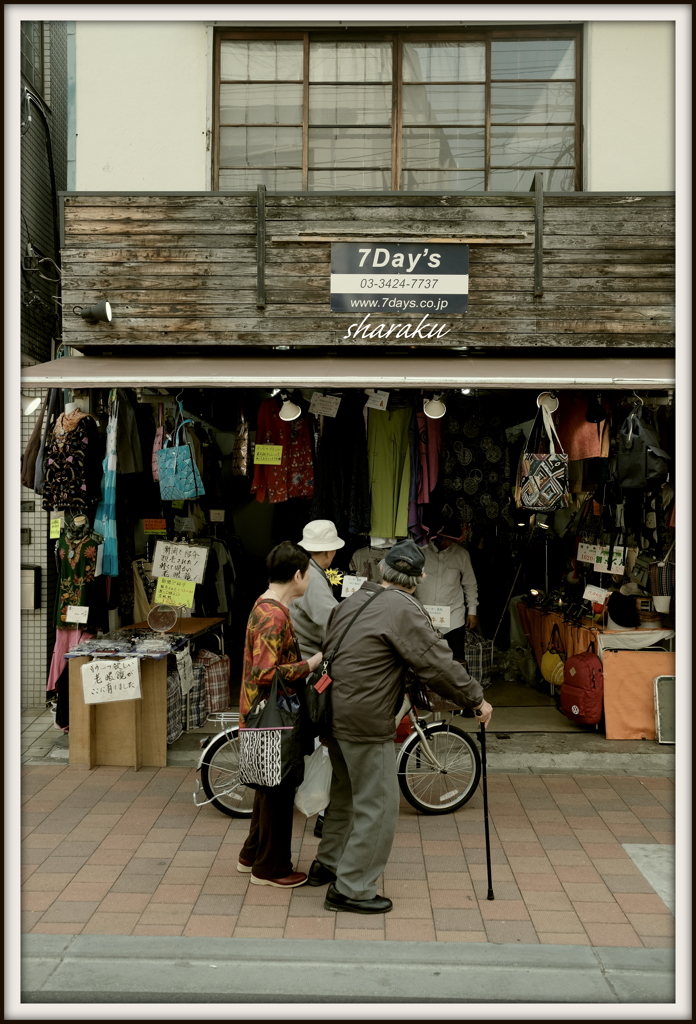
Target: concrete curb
{"x": 175, "y": 970}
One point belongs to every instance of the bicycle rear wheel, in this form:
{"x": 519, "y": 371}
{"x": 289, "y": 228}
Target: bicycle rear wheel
{"x": 220, "y": 776}
{"x": 433, "y": 790}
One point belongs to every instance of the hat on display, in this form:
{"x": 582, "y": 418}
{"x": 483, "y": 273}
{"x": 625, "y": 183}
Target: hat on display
{"x": 321, "y": 535}
{"x": 407, "y": 558}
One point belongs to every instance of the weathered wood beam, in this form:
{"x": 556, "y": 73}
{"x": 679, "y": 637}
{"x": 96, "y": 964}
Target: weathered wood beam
{"x": 261, "y": 246}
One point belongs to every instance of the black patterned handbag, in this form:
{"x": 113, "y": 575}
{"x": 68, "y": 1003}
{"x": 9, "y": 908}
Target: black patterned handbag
{"x": 270, "y": 741}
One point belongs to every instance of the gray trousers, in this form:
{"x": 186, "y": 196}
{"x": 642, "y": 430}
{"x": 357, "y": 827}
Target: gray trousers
{"x": 360, "y": 821}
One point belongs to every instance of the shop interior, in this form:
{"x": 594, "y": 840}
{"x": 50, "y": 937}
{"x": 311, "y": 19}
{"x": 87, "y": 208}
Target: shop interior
{"x": 381, "y": 466}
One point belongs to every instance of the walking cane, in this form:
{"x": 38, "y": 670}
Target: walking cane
{"x": 482, "y": 740}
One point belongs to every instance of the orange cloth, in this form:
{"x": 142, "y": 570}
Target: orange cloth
{"x": 629, "y": 697}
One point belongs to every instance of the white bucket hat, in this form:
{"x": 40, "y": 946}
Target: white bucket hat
{"x": 320, "y": 535}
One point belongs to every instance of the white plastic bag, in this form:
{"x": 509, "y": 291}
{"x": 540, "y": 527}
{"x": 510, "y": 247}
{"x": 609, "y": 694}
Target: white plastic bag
{"x": 312, "y": 795}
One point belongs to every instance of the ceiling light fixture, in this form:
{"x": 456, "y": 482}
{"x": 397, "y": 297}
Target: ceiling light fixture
{"x": 289, "y": 411}
{"x": 434, "y": 407}
{"x": 29, "y": 404}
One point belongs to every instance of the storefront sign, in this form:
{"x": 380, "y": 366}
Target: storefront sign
{"x": 324, "y": 405}
{"x": 587, "y": 553}
{"x": 175, "y": 592}
{"x": 179, "y": 561}
{"x": 595, "y": 594}
{"x": 377, "y": 400}
{"x": 396, "y": 278}
{"x": 77, "y": 613}
{"x": 440, "y": 615}
{"x": 268, "y": 454}
{"x": 104, "y": 681}
{"x": 602, "y": 560}
{"x": 351, "y": 584}
{"x": 155, "y": 526}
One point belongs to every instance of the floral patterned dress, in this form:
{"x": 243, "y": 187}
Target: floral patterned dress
{"x": 270, "y": 644}
{"x": 77, "y": 560}
{"x": 294, "y": 477}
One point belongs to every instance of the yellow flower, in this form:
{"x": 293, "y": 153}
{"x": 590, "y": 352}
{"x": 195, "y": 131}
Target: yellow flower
{"x": 334, "y": 577}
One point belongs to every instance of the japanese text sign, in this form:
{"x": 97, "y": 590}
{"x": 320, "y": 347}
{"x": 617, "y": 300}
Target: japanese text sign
{"x": 104, "y": 681}
{"x": 179, "y": 561}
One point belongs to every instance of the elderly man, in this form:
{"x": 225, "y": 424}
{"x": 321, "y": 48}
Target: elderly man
{"x": 391, "y": 635}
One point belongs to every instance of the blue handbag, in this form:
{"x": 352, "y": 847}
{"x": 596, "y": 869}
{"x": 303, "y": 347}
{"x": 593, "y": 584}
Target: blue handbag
{"x": 178, "y": 472}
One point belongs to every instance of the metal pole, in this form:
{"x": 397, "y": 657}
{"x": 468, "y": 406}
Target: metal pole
{"x": 482, "y": 740}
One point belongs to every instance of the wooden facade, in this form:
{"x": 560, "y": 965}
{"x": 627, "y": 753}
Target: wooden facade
{"x": 183, "y": 269}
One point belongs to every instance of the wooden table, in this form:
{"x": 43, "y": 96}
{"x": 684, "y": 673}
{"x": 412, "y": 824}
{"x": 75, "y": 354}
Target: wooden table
{"x": 128, "y": 733}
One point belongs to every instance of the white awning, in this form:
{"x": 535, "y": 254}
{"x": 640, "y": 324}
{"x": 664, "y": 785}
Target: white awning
{"x": 170, "y": 370}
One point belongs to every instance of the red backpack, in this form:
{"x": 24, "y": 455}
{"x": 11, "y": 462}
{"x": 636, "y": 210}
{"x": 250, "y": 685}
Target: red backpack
{"x": 582, "y": 689}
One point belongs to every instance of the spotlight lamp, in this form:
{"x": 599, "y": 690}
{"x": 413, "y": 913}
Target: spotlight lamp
{"x": 289, "y": 411}
{"x": 434, "y": 407}
{"x": 100, "y": 312}
{"x": 29, "y": 404}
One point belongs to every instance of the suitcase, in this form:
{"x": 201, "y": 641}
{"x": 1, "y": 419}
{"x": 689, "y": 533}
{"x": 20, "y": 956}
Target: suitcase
{"x": 582, "y": 689}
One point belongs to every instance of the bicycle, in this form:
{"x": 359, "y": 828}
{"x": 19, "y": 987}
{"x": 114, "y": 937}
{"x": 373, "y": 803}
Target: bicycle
{"x": 438, "y": 765}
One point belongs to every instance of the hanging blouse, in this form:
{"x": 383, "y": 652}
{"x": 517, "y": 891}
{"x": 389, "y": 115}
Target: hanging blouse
{"x": 78, "y": 583}
{"x": 73, "y": 464}
{"x": 294, "y": 477}
{"x": 342, "y": 487}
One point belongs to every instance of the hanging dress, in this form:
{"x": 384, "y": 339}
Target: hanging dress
{"x": 105, "y": 516}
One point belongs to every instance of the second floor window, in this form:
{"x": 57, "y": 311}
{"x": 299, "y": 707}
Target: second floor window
{"x": 398, "y": 113}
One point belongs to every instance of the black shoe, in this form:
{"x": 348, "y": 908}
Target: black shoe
{"x": 319, "y": 827}
{"x": 320, "y": 875}
{"x": 337, "y": 901}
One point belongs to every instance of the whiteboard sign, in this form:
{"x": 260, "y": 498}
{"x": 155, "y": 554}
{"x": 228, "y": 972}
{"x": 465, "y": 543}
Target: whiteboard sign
{"x": 179, "y": 561}
{"x": 440, "y": 615}
{"x": 104, "y": 681}
{"x": 77, "y": 613}
{"x": 587, "y": 553}
{"x": 595, "y": 594}
{"x": 324, "y": 405}
{"x": 351, "y": 584}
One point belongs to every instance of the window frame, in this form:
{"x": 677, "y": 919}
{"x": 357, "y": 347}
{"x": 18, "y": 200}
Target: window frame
{"x": 40, "y": 87}
{"x": 487, "y": 35}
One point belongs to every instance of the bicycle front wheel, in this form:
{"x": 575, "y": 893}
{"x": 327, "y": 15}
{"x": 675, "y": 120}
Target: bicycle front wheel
{"x": 220, "y": 776}
{"x": 439, "y": 790}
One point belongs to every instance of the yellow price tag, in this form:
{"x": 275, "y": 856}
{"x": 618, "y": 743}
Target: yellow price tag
{"x": 179, "y": 503}
{"x": 268, "y": 454}
{"x": 176, "y": 592}
{"x": 55, "y": 529}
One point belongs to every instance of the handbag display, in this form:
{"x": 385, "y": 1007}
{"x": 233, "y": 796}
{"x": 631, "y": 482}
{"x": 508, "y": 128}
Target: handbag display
{"x": 158, "y": 442}
{"x": 270, "y": 741}
{"x": 542, "y": 479}
{"x": 316, "y": 696}
{"x": 553, "y": 659}
{"x": 582, "y": 688}
{"x": 640, "y": 462}
{"x": 478, "y": 655}
{"x": 178, "y": 472}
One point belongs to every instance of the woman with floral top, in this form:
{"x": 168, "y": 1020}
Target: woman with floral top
{"x": 271, "y": 646}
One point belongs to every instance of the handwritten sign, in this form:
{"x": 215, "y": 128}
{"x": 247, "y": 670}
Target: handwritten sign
{"x": 268, "y": 454}
{"x": 377, "y": 400}
{"x": 184, "y": 666}
{"x": 184, "y": 524}
{"x": 179, "y": 561}
{"x": 77, "y": 613}
{"x": 351, "y": 584}
{"x": 55, "y": 528}
{"x": 104, "y": 681}
{"x": 324, "y": 405}
{"x": 595, "y": 594}
{"x": 440, "y": 615}
{"x": 587, "y": 553}
{"x": 602, "y": 560}
{"x": 175, "y": 592}
{"x": 154, "y": 526}
{"x": 217, "y": 515}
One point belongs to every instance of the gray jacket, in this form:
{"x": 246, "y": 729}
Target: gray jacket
{"x": 310, "y": 613}
{"x": 369, "y": 670}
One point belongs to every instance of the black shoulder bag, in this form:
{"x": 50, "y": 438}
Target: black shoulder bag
{"x": 316, "y": 695}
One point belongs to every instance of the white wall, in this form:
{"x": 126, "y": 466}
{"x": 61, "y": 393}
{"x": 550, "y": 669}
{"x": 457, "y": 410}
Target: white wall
{"x": 629, "y": 106}
{"x": 141, "y": 103}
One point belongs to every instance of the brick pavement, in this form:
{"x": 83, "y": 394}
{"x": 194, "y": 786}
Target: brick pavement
{"x": 117, "y": 852}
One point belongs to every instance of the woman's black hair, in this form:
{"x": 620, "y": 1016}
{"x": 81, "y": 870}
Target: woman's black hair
{"x": 285, "y": 560}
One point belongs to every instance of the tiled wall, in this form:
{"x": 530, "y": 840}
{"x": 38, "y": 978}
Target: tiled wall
{"x": 37, "y": 645}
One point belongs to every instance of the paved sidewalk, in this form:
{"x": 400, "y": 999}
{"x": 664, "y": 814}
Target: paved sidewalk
{"x": 121, "y": 853}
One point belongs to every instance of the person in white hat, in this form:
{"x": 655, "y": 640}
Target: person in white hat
{"x": 310, "y": 613}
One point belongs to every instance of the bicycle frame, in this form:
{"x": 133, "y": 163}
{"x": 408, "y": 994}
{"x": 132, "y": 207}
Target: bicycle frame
{"x": 407, "y": 708}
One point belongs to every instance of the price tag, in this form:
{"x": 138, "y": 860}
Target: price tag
{"x": 440, "y": 614}
{"x": 217, "y": 515}
{"x": 268, "y": 454}
{"x": 55, "y": 528}
{"x": 77, "y": 613}
{"x": 351, "y": 584}
{"x": 377, "y": 400}
{"x": 176, "y": 592}
{"x": 602, "y": 560}
{"x": 595, "y": 594}
{"x": 324, "y": 405}
{"x": 587, "y": 552}
{"x": 182, "y": 524}
{"x": 179, "y": 503}
{"x": 155, "y": 526}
